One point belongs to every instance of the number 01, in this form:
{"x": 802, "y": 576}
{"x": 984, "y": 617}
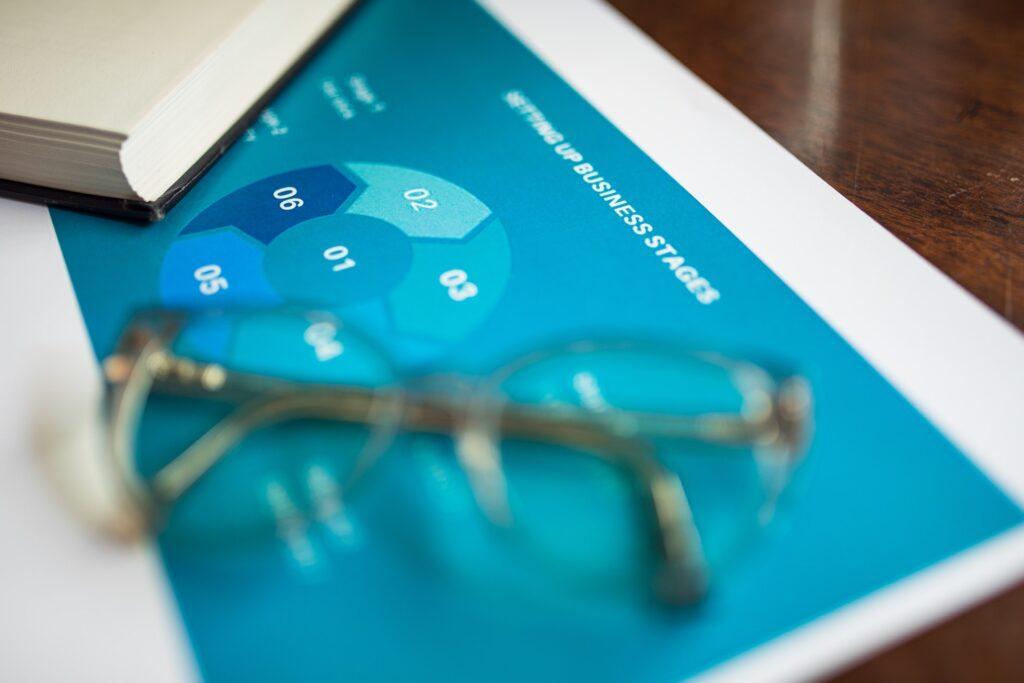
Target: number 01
{"x": 339, "y": 253}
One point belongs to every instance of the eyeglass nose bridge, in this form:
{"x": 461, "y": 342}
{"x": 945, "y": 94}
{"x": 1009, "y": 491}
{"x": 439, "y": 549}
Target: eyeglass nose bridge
{"x": 477, "y": 421}
{"x": 473, "y": 423}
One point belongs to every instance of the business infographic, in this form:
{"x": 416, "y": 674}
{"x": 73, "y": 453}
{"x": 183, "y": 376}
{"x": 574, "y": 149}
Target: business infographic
{"x": 432, "y": 182}
{"x": 403, "y": 225}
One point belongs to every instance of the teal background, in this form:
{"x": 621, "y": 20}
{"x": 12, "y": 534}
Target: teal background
{"x": 882, "y": 493}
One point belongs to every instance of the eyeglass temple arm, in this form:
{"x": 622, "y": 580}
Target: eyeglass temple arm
{"x": 430, "y": 413}
{"x": 421, "y": 413}
{"x": 682, "y": 576}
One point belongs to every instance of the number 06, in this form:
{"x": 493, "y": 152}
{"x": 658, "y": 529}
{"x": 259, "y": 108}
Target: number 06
{"x": 288, "y": 198}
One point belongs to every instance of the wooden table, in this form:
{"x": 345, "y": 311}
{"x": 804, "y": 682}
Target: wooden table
{"x": 914, "y": 110}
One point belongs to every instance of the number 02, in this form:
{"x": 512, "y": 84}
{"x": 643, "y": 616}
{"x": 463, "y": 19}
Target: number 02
{"x": 419, "y": 198}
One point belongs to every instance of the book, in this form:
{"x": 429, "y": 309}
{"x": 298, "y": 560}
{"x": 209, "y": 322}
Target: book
{"x": 118, "y": 106}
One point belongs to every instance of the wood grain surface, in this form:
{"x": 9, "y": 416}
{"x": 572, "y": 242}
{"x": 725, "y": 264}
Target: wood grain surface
{"x": 914, "y": 110}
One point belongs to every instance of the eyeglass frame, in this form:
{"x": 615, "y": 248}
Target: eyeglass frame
{"x": 143, "y": 361}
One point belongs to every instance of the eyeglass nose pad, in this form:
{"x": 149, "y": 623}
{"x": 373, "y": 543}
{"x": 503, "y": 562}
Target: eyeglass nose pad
{"x": 76, "y": 455}
{"x": 477, "y": 451}
{"x": 682, "y": 577}
{"x": 777, "y": 460}
{"x": 681, "y": 582}
{"x": 475, "y": 433}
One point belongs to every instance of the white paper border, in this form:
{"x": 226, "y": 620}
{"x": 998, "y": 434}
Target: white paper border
{"x": 72, "y": 608}
{"x": 956, "y": 361}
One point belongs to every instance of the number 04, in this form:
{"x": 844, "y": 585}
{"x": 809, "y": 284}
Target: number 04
{"x": 458, "y": 284}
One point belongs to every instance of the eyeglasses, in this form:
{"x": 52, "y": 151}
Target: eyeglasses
{"x": 229, "y": 428}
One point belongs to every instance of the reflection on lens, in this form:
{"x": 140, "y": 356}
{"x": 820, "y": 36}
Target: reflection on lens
{"x": 574, "y": 506}
{"x": 575, "y": 515}
{"x": 298, "y": 470}
{"x": 243, "y": 468}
